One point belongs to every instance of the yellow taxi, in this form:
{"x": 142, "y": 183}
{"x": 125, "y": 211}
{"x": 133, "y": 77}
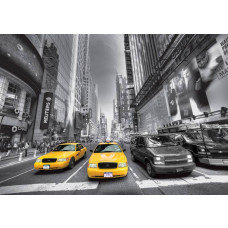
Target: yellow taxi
{"x": 64, "y": 155}
{"x": 107, "y": 161}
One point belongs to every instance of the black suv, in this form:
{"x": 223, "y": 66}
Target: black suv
{"x": 161, "y": 155}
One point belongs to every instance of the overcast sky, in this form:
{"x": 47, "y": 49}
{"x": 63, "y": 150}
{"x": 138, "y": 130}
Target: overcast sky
{"x": 107, "y": 58}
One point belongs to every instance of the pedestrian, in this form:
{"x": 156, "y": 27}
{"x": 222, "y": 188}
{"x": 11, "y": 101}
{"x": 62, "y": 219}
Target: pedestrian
{"x": 26, "y": 148}
{"x": 19, "y": 147}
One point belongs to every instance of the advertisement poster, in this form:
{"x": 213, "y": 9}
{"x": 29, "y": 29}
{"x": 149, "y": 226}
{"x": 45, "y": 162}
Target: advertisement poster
{"x": 178, "y": 97}
{"x": 201, "y": 86}
{"x": 212, "y": 64}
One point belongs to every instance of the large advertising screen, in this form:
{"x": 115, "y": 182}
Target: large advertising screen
{"x": 201, "y": 86}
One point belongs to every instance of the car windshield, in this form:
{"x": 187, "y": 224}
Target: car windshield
{"x": 69, "y": 147}
{"x": 195, "y": 136}
{"x": 159, "y": 141}
{"x": 216, "y": 135}
{"x": 105, "y": 148}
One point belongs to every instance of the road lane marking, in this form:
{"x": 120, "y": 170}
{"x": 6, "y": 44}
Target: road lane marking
{"x": 204, "y": 174}
{"x": 17, "y": 162}
{"x": 136, "y": 176}
{"x": 50, "y": 187}
{"x": 182, "y": 181}
{"x": 16, "y": 176}
{"x": 75, "y": 172}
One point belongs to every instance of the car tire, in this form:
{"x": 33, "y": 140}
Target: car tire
{"x": 71, "y": 163}
{"x": 150, "y": 169}
{"x": 133, "y": 157}
{"x": 85, "y": 155}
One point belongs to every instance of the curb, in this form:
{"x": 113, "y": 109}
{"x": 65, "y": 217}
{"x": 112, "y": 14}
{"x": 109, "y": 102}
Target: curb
{"x": 14, "y": 156}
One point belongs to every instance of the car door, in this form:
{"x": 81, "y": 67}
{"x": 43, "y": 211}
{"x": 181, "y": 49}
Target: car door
{"x": 141, "y": 147}
{"x": 83, "y": 150}
{"x": 78, "y": 151}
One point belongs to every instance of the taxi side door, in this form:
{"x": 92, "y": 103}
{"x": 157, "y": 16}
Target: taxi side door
{"x": 83, "y": 150}
{"x": 78, "y": 151}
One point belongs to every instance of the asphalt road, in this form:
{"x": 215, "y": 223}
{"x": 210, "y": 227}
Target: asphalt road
{"x": 21, "y": 178}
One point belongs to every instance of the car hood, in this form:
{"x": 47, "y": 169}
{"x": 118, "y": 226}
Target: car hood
{"x": 57, "y": 154}
{"x": 108, "y": 157}
{"x": 168, "y": 150}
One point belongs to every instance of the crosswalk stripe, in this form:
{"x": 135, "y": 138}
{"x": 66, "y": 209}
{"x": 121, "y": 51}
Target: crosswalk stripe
{"x": 182, "y": 181}
{"x": 50, "y": 187}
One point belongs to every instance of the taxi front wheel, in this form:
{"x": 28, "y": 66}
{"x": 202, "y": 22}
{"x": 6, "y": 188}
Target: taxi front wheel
{"x": 71, "y": 163}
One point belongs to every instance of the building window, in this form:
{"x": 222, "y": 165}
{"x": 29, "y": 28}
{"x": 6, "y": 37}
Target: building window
{"x": 12, "y": 96}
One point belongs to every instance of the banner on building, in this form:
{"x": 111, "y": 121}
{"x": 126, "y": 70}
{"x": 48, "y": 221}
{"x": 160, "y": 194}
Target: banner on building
{"x": 46, "y": 110}
{"x": 201, "y": 86}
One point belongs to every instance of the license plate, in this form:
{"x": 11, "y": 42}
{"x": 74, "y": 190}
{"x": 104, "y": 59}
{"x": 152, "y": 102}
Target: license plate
{"x": 108, "y": 175}
{"x": 180, "y": 170}
{"x": 225, "y": 161}
{"x": 46, "y": 166}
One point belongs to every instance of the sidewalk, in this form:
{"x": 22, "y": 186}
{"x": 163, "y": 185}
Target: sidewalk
{"x": 12, "y": 160}
{"x": 12, "y": 155}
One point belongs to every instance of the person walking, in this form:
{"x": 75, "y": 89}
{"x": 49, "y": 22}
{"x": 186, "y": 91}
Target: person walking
{"x": 26, "y": 148}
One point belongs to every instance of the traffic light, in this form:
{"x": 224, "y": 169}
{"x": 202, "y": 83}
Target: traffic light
{"x": 223, "y": 111}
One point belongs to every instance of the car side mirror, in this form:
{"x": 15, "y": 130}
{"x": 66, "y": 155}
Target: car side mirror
{"x": 124, "y": 150}
{"x": 91, "y": 151}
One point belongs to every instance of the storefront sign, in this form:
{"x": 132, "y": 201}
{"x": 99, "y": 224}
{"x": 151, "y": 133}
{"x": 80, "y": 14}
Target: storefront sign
{"x": 16, "y": 129}
{"x": 46, "y": 110}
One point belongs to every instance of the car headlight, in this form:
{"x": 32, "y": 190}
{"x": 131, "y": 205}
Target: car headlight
{"x": 159, "y": 160}
{"x": 38, "y": 160}
{"x": 62, "y": 159}
{"x": 92, "y": 165}
{"x": 122, "y": 164}
{"x": 189, "y": 157}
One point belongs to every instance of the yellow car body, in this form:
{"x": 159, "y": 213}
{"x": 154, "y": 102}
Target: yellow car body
{"x": 107, "y": 163}
{"x": 61, "y": 159}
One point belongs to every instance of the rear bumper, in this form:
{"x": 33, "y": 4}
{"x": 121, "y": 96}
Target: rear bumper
{"x": 164, "y": 169}
{"x": 214, "y": 161}
{"x": 54, "y": 165}
{"x": 99, "y": 173}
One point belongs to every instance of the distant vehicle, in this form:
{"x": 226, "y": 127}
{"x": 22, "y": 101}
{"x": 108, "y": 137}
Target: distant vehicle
{"x": 161, "y": 155}
{"x": 107, "y": 161}
{"x": 208, "y": 143}
{"x": 64, "y": 155}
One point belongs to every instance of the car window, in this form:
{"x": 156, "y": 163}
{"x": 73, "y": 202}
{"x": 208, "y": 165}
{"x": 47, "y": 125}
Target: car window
{"x": 159, "y": 141}
{"x": 77, "y": 147}
{"x": 105, "y": 148}
{"x": 141, "y": 141}
{"x": 68, "y": 147}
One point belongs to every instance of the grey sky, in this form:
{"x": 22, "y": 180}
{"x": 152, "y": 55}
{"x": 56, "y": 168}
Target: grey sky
{"x": 107, "y": 58}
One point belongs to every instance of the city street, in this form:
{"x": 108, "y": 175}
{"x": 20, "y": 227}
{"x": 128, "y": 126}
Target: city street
{"x": 21, "y": 178}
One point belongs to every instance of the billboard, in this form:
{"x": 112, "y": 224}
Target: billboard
{"x": 46, "y": 110}
{"x": 201, "y": 86}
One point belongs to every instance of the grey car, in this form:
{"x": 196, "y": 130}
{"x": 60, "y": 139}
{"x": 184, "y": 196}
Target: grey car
{"x": 161, "y": 155}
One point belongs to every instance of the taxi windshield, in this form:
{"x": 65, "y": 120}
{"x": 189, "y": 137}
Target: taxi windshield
{"x": 159, "y": 141}
{"x": 105, "y": 148}
{"x": 65, "y": 148}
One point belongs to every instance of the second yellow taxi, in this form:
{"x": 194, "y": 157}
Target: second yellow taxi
{"x": 64, "y": 155}
{"x": 107, "y": 161}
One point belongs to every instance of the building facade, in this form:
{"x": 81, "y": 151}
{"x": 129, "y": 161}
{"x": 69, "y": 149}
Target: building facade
{"x": 178, "y": 78}
{"x": 124, "y": 117}
{"x": 21, "y": 76}
{"x": 103, "y": 126}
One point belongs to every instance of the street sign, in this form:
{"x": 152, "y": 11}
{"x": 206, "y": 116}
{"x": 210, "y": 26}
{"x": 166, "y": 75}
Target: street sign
{"x": 46, "y": 110}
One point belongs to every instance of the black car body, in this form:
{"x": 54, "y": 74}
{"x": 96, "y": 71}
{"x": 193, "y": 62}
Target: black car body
{"x": 206, "y": 145}
{"x": 161, "y": 155}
